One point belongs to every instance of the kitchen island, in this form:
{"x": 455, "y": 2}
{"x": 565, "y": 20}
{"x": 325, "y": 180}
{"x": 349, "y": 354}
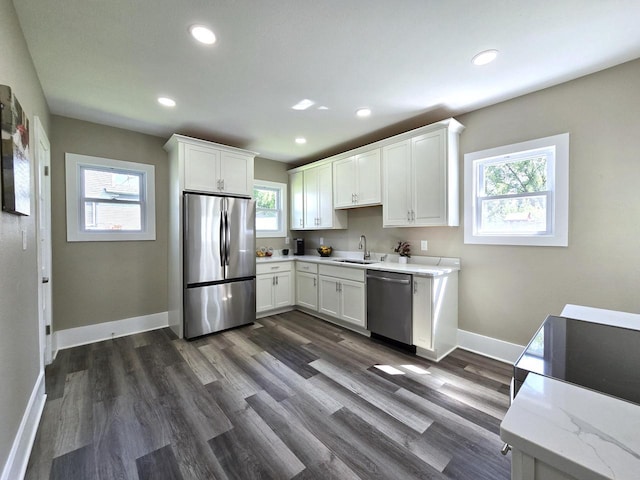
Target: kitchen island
{"x": 576, "y": 415}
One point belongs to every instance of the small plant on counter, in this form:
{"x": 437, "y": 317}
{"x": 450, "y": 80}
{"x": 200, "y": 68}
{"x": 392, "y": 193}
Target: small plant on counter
{"x": 403, "y": 249}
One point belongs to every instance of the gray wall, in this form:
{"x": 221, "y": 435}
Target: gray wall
{"x": 271, "y": 171}
{"x": 95, "y": 282}
{"x": 506, "y": 292}
{"x": 19, "y": 352}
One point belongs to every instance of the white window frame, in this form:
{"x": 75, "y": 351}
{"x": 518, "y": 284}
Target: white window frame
{"x": 282, "y": 231}
{"x": 557, "y": 234}
{"x": 75, "y": 231}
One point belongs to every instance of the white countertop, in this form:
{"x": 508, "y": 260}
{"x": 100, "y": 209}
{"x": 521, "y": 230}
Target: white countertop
{"x": 428, "y": 266}
{"x": 581, "y": 432}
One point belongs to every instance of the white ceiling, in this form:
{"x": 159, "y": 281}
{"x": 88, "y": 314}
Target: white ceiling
{"x": 107, "y": 61}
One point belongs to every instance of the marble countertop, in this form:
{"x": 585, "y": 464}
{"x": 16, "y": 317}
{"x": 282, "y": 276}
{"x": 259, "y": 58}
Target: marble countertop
{"x": 586, "y": 434}
{"x": 427, "y": 266}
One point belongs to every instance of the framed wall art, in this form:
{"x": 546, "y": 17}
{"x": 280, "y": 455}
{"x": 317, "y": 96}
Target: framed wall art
{"x": 16, "y": 168}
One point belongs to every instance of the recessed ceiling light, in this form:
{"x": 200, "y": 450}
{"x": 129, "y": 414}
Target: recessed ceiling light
{"x": 202, "y": 34}
{"x": 301, "y": 140}
{"x": 322, "y": 107}
{"x": 363, "y": 112}
{"x": 303, "y": 104}
{"x": 166, "y": 101}
{"x": 485, "y": 57}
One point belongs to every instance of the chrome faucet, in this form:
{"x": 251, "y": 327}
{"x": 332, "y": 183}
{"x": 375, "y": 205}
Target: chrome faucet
{"x": 367, "y": 253}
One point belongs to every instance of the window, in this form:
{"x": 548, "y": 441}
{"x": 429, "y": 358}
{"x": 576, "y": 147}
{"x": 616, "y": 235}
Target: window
{"x": 518, "y": 194}
{"x": 271, "y": 212}
{"x": 109, "y": 200}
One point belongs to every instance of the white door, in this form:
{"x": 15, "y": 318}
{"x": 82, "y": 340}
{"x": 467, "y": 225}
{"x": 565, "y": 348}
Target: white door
{"x": 311, "y": 213}
{"x": 368, "y": 175}
{"x": 42, "y": 158}
{"x": 397, "y": 194}
{"x": 429, "y": 160}
{"x": 264, "y": 292}
{"x": 329, "y": 296}
{"x": 352, "y": 302}
{"x": 236, "y": 173}
{"x": 325, "y": 196}
{"x": 282, "y": 292}
{"x": 297, "y": 200}
{"x": 201, "y": 169}
{"x": 344, "y": 182}
{"x": 307, "y": 290}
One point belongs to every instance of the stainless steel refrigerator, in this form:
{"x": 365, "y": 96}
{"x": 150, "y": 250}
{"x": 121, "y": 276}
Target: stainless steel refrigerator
{"x": 219, "y": 263}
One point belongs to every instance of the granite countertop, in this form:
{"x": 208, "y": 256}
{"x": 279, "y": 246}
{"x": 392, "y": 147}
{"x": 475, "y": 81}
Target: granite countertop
{"x": 586, "y": 434}
{"x": 428, "y": 266}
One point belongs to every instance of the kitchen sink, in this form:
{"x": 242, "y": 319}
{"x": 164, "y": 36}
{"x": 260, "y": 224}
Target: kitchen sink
{"x": 358, "y": 262}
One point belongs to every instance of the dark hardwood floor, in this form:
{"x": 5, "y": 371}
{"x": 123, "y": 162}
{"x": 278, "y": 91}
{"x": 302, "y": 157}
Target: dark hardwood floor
{"x": 290, "y": 397}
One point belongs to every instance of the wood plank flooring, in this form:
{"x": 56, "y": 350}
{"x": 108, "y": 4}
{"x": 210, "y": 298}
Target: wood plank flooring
{"x": 290, "y": 397}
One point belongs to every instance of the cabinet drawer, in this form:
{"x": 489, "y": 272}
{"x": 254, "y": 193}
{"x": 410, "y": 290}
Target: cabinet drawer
{"x": 273, "y": 267}
{"x": 307, "y": 267}
{"x": 355, "y": 274}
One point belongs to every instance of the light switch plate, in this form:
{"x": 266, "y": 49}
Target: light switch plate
{"x": 423, "y": 245}
{"x": 24, "y": 239}
{"x": 321, "y": 240}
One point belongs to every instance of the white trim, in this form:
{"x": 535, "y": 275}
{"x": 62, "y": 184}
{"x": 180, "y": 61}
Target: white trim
{"x": 559, "y": 183}
{"x": 73, "y": 164}
{"x": 489, "y": 346}
{"x": 16, "y": 464}
{"x": 282, "y": 232}
{"x": 73, "y": 337}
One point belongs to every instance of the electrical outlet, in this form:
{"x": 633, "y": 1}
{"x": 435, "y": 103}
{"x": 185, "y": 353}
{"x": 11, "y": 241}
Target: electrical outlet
{"x": 286, "y": 240}
{"x": 24, "y": 239}
{"x": 321, "y": 240}
{"x": 423, "y": 245}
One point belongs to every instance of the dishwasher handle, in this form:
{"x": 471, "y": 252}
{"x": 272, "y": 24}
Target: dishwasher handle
{"x": 389, "y": 280}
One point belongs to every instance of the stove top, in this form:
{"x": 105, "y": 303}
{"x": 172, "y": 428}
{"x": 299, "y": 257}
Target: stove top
{"x": 600, "y": 357}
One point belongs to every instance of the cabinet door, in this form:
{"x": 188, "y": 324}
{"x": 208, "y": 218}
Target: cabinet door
{"x": 311, "y": 212}
{"x": 397, "y": 194}
{"x": 329, "y": 296}
{"x": 325, "y": 196}
{"x": 201, "y": 166}
{"x": 368, "y": 171}
{"x": 422, "y": 324}
{"x": 344, "y": 182}
{"x": 236, "y": 173}
{"x": 264, "y": 292}
{"x": 429, "y": 161}
{"x": 296, "y": 183}
{"x": 307, "y": 290}
{"x": 283, "y": 289}
{"x": 352, "y": 302}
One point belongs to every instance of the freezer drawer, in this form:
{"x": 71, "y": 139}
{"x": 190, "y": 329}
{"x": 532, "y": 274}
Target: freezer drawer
{"x": 217, "y": 307}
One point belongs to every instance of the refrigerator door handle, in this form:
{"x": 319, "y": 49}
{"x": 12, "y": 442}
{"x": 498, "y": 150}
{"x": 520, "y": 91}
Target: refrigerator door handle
{"x": 227, "y": 238}
{"x": 221, "y": 239}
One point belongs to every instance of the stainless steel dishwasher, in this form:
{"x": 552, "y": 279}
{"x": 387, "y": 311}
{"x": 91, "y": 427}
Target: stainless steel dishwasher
{"x": 389, "y": 305}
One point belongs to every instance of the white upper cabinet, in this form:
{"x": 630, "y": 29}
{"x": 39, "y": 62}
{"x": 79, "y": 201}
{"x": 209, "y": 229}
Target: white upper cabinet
{"x": 296, "y": 193}
{"x": 316, "y": 200}
{"x": 420, "y": 178}
{"x": 209, "y": 167}
{"x": 356, "y": 180}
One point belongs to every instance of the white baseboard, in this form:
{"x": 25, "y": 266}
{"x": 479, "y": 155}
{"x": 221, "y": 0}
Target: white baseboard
{"x": 73, "y": 337}
{"x": 489, "y": 347}
{"x": 16, "y": 464}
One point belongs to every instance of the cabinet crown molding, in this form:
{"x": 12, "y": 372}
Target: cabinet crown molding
{"x": 177, "y": 138}
{"x": 451, "y": 123}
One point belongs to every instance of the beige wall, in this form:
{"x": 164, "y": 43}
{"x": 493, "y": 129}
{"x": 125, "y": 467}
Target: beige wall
{"x": 95, "y": 282}
{"x": 19, "y": 351}
{"x": 271, "y": 171}
{"x": 506, "y": 292}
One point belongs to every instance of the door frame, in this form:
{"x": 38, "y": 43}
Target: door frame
{"x": 42, "y": 163}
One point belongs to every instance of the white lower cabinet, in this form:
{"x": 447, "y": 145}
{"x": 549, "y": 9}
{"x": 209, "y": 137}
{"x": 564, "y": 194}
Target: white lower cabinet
{"x": 342, "y": 294}
{"x": 435, "y": 315}
{"x": 307, "y": 285}
{"x": 274, "y": 286}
